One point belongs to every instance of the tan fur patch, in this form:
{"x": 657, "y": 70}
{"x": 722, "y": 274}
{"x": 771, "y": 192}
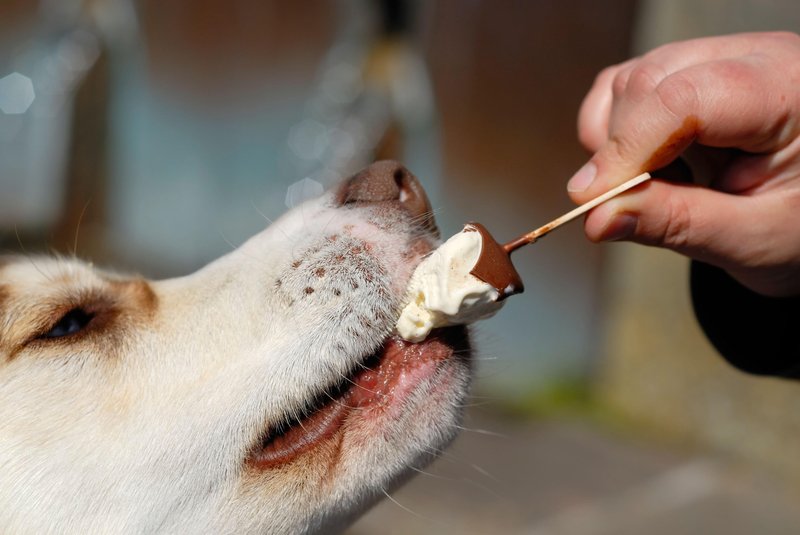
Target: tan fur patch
{"x": 140, "y": 296}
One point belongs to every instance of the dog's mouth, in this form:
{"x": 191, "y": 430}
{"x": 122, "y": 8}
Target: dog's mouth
{"x": 380, "y": 385}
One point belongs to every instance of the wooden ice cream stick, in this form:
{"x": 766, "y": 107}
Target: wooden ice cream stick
{"x": 532, "y": 236}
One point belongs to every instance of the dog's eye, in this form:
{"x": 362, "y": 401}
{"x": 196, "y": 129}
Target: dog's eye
{"x": 70, "y": 323}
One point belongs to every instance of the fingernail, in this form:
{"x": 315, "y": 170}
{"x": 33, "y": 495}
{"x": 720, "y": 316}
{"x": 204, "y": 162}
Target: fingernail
{"x": 583, "y": 178}
{"x": 621, "y": 227}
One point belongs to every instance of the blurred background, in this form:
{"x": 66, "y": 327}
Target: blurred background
{"x": 155, "y": 136}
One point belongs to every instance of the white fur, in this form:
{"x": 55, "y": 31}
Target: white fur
{"x": 147, "y": 431}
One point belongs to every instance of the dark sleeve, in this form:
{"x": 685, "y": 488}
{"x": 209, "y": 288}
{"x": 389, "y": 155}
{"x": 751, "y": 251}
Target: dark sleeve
{"x": 757, "y": 334}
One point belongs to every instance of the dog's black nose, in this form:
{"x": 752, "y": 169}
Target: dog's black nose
{"x": 389, "y": 181}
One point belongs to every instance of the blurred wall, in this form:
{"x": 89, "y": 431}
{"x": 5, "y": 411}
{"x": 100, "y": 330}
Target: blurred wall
{"x": 658, "y": 368}
{"x": 509, "y": 77}
{"x": 205, "y": 94}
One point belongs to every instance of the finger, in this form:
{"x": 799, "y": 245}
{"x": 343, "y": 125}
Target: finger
{"x": 681, "y": 54}
{"x": 691, "y": 220}
{"x": 595, "y": 109}
{"x": 648, "y": 130}
{"x": 673, "y": 57}
{"x": 613, "y": 82}
{"x": 751, "y": 173}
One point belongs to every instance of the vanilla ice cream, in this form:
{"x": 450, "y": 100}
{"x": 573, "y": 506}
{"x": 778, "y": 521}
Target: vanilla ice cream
{"x": 442, "y": 291}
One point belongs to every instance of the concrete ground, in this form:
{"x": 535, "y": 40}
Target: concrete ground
{"x": 576, "y": 478}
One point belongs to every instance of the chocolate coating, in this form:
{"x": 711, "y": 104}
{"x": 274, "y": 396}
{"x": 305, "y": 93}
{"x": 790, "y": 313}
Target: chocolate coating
{"x": 494, "y": 265}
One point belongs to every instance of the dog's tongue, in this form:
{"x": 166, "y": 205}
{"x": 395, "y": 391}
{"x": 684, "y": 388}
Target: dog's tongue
{"x": 399, "y": 368}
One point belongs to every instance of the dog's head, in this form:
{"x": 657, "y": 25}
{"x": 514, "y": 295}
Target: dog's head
{"x": 264, "y": 392}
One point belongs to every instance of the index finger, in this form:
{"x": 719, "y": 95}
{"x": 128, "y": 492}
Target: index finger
{"x": 742, "y": 103}
{"x": 595, "y": 109}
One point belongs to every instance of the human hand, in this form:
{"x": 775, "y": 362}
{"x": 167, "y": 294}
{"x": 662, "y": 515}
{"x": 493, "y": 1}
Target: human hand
{"x": 731, "y": 106}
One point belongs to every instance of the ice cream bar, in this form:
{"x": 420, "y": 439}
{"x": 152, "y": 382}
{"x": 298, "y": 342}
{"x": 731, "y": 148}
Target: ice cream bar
{"x": 445, "y": 289}
{"x": 468, "y": 277}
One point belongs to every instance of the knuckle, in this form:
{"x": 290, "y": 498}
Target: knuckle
{"x": 784, "y": 37}
{"x": 607, "y": 74}
{"x": 637, "y": 80}
{"x": 676, "y": 228}
{"x": 679, "y": 94}
{"x": 643, "y": 79}
{"x": 620, "y": 82}
{"x": 662, "y": 51}
{"x": 736, "y": 71}
{"x": 620, "y": 148}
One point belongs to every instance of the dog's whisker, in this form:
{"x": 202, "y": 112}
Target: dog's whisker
{"x": 404, "y": 508}
{"x": 472, "y": 482}
{"x": 270, "y": 221}
{"x": 19, "y": 239}
{"x": 423, "y": 217}
{"x": 451, "y": 457}
{"x": 360, "y": 386}
{"x": 426, "y": 518}
{"x": 485, "y": 488}
{"x": 476, "y": 404}
{"x": 479, "y": 396}
{"x": 482, "y": 471}
{"x": 29, "y": 257}
{"x": 445, "y": 455}
{"x": 232, "y": 245}
{"x": 26, "y": 254}
{"x": 478, "y": 431}
{"x": 300, "y": 420}
{"x": 362, "y": 366}
{"x": 432, "y": 475}
{"x": 334, "y": 216}
{"x": 78, "y": 228}
{"x": 342, "y": 404}
{"x": 235, "y": 247}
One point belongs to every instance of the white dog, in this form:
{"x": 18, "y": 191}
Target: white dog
{"x": 262, "y": 394}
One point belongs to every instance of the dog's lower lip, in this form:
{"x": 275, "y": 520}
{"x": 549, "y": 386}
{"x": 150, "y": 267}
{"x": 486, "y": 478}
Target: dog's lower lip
{"x": 398, "y": 368}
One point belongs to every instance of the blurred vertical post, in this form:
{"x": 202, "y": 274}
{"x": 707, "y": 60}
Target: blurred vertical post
{"x": 389, "y": 47}
{"x": 46, "y": 50}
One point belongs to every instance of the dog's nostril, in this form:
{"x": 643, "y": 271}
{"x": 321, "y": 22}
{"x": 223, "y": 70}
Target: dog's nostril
{"x": 375, "y": 183}
{"x": 413, "y": 198}
{"x": 399, "y": 177}
{"x": 403, "y": 179}
{"x": 389, "y": 181}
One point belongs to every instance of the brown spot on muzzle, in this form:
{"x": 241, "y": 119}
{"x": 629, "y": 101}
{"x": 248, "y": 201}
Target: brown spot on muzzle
{"x": 389, "y": 181}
